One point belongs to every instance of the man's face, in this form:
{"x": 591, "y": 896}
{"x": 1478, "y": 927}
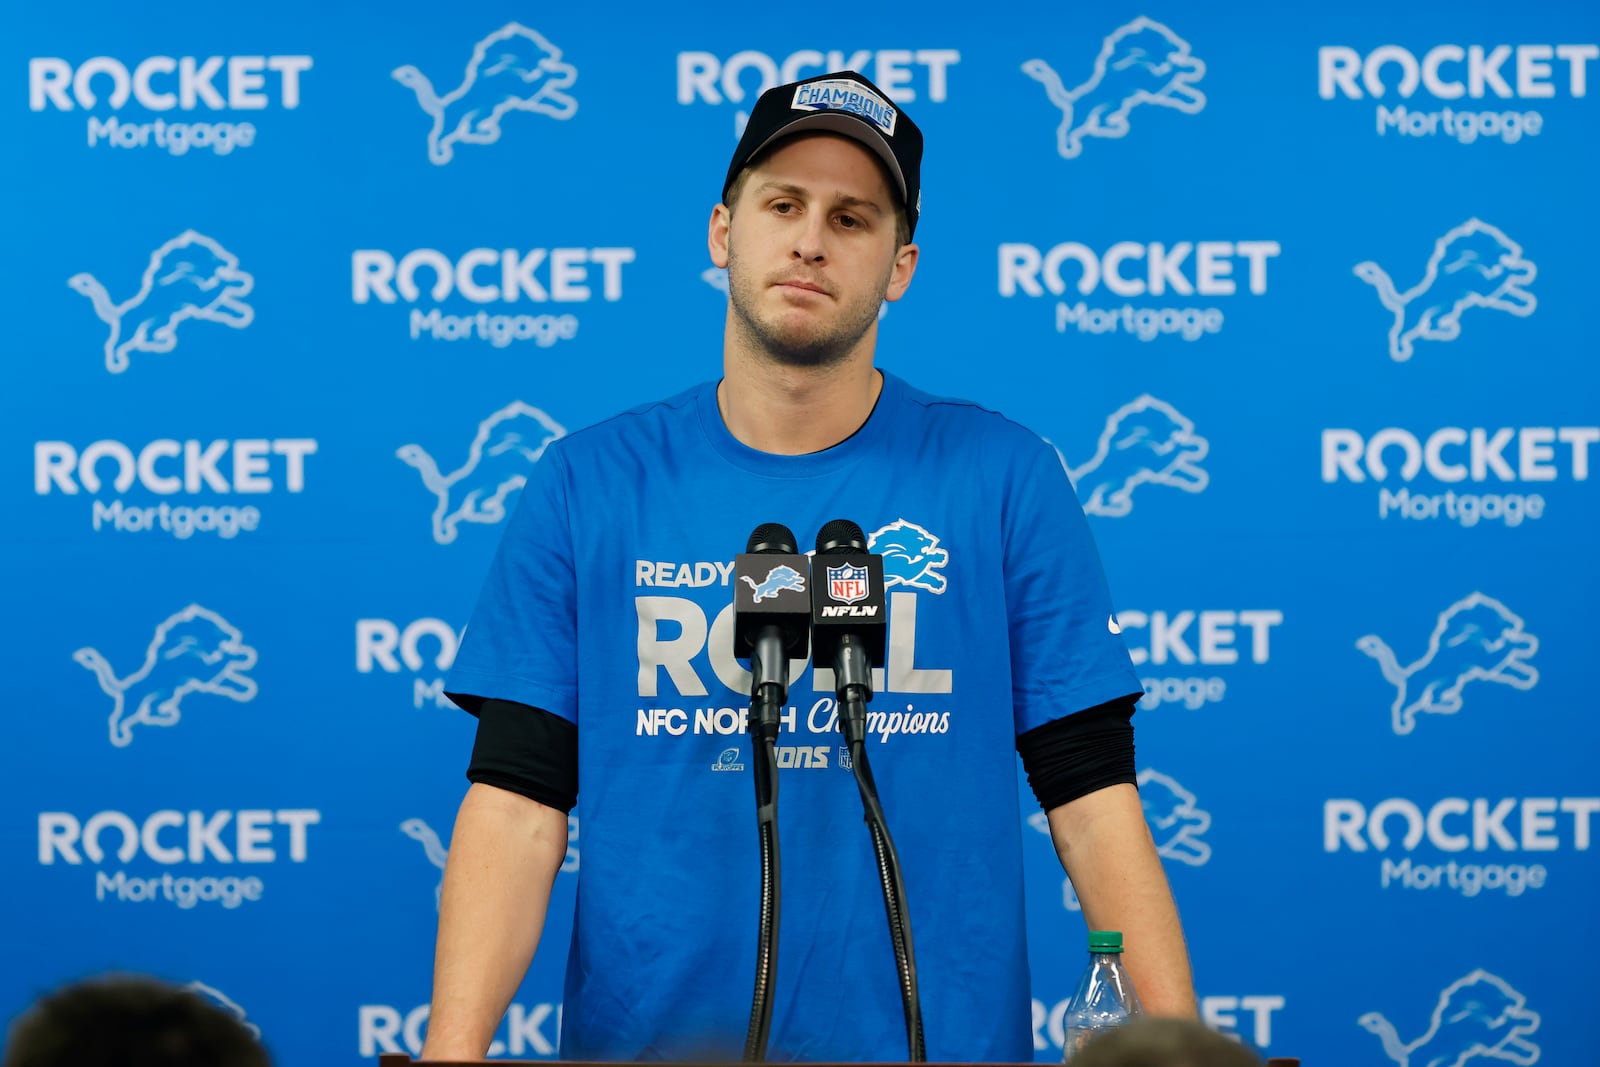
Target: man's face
{"x": 812, "y": 254}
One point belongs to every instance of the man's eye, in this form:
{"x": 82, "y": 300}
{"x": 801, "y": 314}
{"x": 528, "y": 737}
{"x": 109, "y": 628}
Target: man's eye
{"x": 783, "y": 207}
{"x": 849, "y": 222}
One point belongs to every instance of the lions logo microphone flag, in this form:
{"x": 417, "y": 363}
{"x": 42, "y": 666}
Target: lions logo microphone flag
{"x": 769, "y": 588}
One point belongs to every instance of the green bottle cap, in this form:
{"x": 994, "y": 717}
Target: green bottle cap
{"x": 1105, "y": 940}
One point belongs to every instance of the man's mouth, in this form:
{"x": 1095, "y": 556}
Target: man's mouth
{"x": 801, "y": 283}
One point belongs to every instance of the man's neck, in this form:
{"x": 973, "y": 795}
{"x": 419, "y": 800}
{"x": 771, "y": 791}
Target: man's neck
{"x": 791, "y": 411}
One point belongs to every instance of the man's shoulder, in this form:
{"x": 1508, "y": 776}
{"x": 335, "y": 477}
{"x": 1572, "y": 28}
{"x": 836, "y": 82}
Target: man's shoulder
{"x": 647, "y": 423}
{"x": 971, "y": 419}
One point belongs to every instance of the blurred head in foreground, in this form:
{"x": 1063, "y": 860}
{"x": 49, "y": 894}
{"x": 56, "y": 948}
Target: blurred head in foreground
{"x": 130, "y": 1022}
{"x": 1164, "y": 1043}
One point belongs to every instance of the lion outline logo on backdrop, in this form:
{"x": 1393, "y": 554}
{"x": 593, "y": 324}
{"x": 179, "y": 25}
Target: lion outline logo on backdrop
{"x": 189, "y": 277}
{"x": 1141, "y": 62}
{"x": 1473, "y": 265}
{"x": 1475, "y": 638}
{"x": 1145, "y": 441}
{"x": 911, "y": 556}
{"x": 507, "y": 443}
{"x": 500, "y": 77}
{"x": 193, "y": 651}
{"x": 1478, "y": 1015}
{"x": 1175, "y": 824}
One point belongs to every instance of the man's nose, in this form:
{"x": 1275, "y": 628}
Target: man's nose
{"x": 809, "y": 243}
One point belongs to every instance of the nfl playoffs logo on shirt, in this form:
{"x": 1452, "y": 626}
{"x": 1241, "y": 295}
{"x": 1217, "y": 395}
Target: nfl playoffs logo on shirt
{"x": 847, "y": 584}
{"x": 512, "y": 69}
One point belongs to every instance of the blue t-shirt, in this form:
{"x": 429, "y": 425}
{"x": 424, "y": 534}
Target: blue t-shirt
{"x": 609, "y": 604}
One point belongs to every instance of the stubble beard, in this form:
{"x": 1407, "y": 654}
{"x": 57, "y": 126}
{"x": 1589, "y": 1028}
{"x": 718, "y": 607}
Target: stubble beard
{"x": 805, "y": 347}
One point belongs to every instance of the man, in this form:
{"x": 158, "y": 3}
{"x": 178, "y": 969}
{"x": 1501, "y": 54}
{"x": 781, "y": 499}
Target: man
{"x": 1164, "y": 1043}
{"x": 130, "y": 1021}
{"x": 999, "y": 632}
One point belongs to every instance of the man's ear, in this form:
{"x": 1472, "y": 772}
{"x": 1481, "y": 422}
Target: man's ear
{"x": 905, "y": 265}
{"x": 717, "y": 234}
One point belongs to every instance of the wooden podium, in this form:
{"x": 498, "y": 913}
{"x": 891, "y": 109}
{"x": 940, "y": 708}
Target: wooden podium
{"x": 400, "y": 1059}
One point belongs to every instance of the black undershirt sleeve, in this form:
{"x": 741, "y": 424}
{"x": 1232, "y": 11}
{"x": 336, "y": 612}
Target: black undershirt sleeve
{"x": 528, "y": 751}
{"x": 1073, "y": 756}
{"x": 534, "y": 753}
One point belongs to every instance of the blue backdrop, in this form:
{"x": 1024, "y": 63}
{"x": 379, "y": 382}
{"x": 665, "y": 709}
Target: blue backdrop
{"x": 1300, "y": 297}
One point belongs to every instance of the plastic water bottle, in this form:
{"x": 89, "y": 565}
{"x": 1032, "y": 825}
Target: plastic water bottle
{"x": 1105, "y": 998}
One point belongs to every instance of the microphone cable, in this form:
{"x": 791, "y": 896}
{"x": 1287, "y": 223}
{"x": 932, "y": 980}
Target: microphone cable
{"x": 764, "y": 767}
{"x": 894, "y": 896}
{"x": 850, "y": 648}
{"x": 772, "y": 621}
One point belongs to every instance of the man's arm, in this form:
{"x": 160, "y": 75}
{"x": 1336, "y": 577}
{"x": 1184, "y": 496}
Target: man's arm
{"x": 1106, "y": 849}
{"x": 505, "y": 853}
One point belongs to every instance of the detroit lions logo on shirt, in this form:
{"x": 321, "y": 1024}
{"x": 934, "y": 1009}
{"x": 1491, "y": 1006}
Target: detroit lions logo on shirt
{"x": 911, "y": 556}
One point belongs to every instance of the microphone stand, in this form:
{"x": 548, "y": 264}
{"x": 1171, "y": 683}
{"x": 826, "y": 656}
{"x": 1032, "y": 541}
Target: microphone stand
{"x": 854, "y": 689}
{"x": 768, "y": 690}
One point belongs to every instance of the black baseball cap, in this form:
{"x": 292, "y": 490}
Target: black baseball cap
{"x": 847, "y": 104}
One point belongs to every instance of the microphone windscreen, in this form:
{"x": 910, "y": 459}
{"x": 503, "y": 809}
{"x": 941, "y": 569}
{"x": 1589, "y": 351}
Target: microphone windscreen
{"x": 840, "y": 535}
{"x": 772, "y": 537}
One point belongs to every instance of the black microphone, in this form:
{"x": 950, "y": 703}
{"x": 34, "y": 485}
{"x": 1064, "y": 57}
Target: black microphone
{"x": 771, "y": 617}
{"x": 850, "y": 631}
{"x": 771, "y": 624}
{"x": 849, "y": 622}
